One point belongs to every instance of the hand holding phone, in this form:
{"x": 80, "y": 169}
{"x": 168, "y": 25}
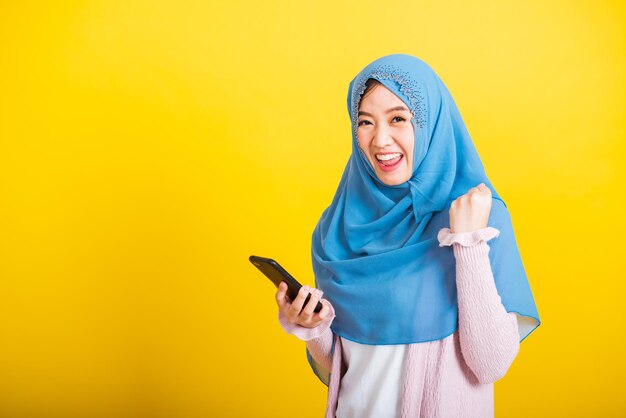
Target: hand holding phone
{"x": 298, "y": 303}
{"x": 301, "y": 310}
{"x": 276, "y": 273}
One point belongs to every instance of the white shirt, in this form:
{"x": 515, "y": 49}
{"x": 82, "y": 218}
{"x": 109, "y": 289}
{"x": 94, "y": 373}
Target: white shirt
{"x": 372, "y": 383}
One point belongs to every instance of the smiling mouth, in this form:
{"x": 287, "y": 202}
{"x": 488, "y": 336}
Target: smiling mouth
{"x": 388, "y": 162}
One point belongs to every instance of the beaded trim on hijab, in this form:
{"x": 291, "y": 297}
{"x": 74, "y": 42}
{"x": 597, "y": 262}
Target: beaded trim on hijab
{"x": 408, "y": 87}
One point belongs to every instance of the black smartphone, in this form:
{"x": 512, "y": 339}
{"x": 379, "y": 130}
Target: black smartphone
{"x": 276, "y": 273}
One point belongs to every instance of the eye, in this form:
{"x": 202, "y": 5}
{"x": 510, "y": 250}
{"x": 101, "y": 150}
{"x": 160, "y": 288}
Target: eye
{"x": 363, "y": 121}
{"x": 399, "y": 117}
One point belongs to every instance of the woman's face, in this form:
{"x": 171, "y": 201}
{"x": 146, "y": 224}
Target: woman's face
{"x": 385, "y": 134}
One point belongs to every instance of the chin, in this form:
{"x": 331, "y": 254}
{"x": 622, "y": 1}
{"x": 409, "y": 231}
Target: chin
{"x": 400, "y": 175}
{"x": 393, "y": 181}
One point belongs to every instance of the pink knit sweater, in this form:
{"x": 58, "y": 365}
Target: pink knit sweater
{"x": 451, "y": 377}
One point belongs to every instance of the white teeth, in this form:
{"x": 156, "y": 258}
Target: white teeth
{"x": 385, "y": 157}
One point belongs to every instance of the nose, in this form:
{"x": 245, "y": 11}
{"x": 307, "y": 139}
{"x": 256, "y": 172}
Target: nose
{"x": 382, "y": 137}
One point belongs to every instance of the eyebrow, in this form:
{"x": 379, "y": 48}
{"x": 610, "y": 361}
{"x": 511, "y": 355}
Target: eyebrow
{"x": 388, "y": 110}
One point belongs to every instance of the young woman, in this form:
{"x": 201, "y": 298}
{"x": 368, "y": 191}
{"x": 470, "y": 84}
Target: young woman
{"x": 420, "y": 314}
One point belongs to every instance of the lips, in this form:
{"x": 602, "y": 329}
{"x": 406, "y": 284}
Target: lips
{"x": 389, "y": 162}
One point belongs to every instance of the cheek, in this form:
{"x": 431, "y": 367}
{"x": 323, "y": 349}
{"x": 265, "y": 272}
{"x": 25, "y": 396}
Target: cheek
{"x": 408, "y": 144}
{"x": 362, "y": 142}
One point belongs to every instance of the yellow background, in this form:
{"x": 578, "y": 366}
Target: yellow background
{"x": 147, "y": 148}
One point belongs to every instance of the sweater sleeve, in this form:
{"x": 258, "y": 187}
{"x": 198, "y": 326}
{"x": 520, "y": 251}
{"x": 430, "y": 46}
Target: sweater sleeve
{"x": 319, "y": 340}
{"x": 488, "y": 334}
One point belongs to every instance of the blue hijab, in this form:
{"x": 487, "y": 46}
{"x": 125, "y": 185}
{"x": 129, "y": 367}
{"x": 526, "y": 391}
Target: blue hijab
{"x": 375, "y": 250}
